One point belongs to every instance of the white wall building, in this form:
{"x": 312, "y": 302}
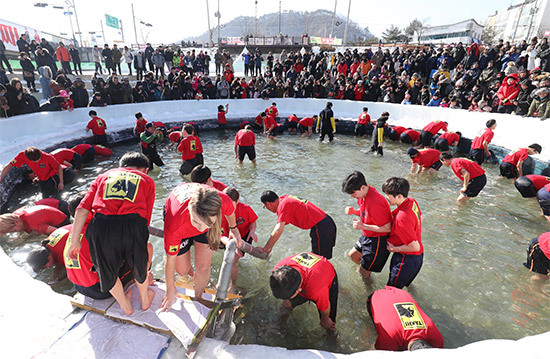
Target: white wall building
{"x": 521, "y": 21}
{"x": 463, "y": 31}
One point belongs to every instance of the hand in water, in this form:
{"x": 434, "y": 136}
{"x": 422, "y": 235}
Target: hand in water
{"x": 328, "y": 324}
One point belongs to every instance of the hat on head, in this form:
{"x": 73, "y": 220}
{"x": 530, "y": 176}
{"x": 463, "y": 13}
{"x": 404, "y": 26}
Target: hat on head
{"x": 63, "y": 94}
{"x": 542, "y": 90}
{"x": 536, "y": 70}
{"x": 78, "y": 79}
{"x": 38, "y": 258}
{"x": 149, "y": 125}
{"x": 412, "y": 151}
{"x": 125, "y": 79}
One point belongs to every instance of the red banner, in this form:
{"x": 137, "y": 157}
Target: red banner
{"x": 10, "y": 33}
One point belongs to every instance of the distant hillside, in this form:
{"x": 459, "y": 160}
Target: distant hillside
{"x": 293, "y": 23}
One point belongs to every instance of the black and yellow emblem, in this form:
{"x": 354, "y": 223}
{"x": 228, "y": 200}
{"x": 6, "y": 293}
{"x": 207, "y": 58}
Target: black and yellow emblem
{"x": 410, "y": 316}
{"x": 70, "y": 263}
{"x": 307, "y": 260}
{"x": 304, "y": 201}
{"x": 122, "y": 185}
{"x": 56, "y": 236}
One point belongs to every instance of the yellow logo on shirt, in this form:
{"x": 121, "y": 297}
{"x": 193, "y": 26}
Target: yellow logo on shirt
{"x": 416, "y": 211}
{"x": 306, "y": 259}
{"x": 304, "y": 201}
{"x": 409, "y": 316}
{"x": 99, "y": 123}
{"x": 122, "y": 185}
{"x": 173, "y": 249}
{"x": 193, "y": 145}
{"x": 56, "y": 236}
{"x": 70, "y": 263}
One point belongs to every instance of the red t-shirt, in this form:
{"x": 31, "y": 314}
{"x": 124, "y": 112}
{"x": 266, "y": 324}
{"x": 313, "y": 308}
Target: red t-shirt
{"x": 374, "y": 209}
{"x": 451, "y": 137}
{"x": 259, "y": 120}
{"x": 177, "y": 222}
{"x": 364, "y": 118}
{"x": 63, "y": 154}
{"x": 482, "y": 136}
{"x": 46, "y": 167}
{"x": 198, "y": 145}
{"x": 245, "y": 216}
{"x": 245, "y": 138}
{"x": 220, "y": 186}
{"x": 413, "y": 135}
{"x": 81, "y": 148}
{"x": 56, "y": 243}
{"x": 270, "y": 121}
{"x": 398, "y": 320}
{"x": 39, "y": 218}
{"x": 434, "y": 127}
{"x": 50, "y": 202}
{"x": 272, "y": 110}
{"x": 159, "y": 124}
{"x": 317, "y": 276}
{"x": 299, "y": 212}
{"x": 473, "y": 168}
{"x": 544, "y": 244}
{"x": 221, "y": 118}
{"x": 174, "y": 136}
{"x": 79, "y": 271}
{"x": 399, "y": 129}
{"x": 516, "y": 156}
{"x": 539, "y": 181}
{"x": 293, "y": 118}
{"x": 188, "y": 147}
{"x": 121, "y": 191}
{"x": 427, "y": 157}
{"x": 406, "y": 227}
{"x": 306, "y": 121}
{"x": 140, "y": 125}
{"x": 102, "y": 150}
{"x": 97, "y": 125}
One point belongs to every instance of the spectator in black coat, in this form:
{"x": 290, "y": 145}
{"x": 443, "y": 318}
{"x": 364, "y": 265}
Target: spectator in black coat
{"x": 98, "y": 100}
{"x": 75, "y": 56}
{"x": 28, "y": 70}
{"x": 115, "y": 91}
{"x": 79, "y": 94}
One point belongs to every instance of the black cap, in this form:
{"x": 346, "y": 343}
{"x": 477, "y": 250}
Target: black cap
{"x": 149, "y": 125}
{"x": 38, "y": 258}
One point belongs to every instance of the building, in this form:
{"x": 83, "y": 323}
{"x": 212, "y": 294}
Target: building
{"x": 522, "y": 21}
{"x": 464, "y": 31}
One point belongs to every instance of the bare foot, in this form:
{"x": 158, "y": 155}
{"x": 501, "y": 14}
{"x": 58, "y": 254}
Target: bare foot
{"x": 127, "y": 307}
{"x": 191, "y": 273}
{"x": 150, "y": 278}
{"x": 145, "y": 304}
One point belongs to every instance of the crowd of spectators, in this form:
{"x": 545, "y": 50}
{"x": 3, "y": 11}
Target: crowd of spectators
{"x": 502, "y": 78}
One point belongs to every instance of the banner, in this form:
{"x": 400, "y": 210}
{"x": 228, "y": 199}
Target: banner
{"x": 232, "y": 40}
{"x": 325, "y": 40}
{"x": 111, "y": 21}
{"x": 10, "y": 33}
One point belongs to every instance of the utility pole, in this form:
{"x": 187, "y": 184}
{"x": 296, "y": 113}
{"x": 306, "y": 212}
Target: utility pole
{"x": 135, "y": 31}
{"x": 77, "y": 24}
{"x": 333, "y": 18}
{"x": 208, "y": 18}
{"x": 219, "y": 16}
{"x": 121, "y": 29}
{"x": 347, "y": 22}
{"x": 103, "y": 31}
{"x": 280, "y": 17}
{"x": 256, "y": 19}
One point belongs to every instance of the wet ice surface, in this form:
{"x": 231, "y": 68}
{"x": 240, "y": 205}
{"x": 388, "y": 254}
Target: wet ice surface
{"x": 472, "y": 284}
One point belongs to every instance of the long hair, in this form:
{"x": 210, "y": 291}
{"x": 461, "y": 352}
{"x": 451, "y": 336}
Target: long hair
{"x": 7, "y": 222}
{"x": 207, "y": 203}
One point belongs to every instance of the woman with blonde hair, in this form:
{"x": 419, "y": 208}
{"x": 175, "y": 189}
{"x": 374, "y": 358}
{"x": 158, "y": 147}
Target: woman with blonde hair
{"x": 192, "y": 217}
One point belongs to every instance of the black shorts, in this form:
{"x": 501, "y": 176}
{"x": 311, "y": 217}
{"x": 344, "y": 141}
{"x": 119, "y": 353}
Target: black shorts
{"x": 405, "y": 138}
{"x": 77, "y": 161}
{"x": 186, "y": 243}
{"x": 374, "y": 253}
{"x": 249, "y": 151}
{"x": 276, "y": 131}
{"x": 441, "y": 144}
{"x": 292, "y": 124}
{"x": 117, "y": 240}
{"x": 68, "y": 175}
{"x": 543, "y": 197}
{"x": 332, "y": 297}
{"x": 100, "y": 140}
{"x": 436, "y": 165}
{"x": 393, "y": 135}
{"x": 94, "y": 291}
{"x": 404, "y": 268}
{"x": 303, "y": 129}
{"x": 323, "y": 237}
{"x": 508, "y": 170}
{"x": 478, "y": 155}
{"x": 426, "y": 138}
{"x": 49, "y": 188}
{"x": 526, "y": 187}
{"x": 188, "y": 165}
{"x": 64, "y": 207}
{"x": 88, "y": 155}
{"x": 536, "y": 259}
{"x": 360, "y": 129}
{"x": 475, "y": 186}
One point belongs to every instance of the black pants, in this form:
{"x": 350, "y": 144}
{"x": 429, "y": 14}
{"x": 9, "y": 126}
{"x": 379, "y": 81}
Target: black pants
{"x": 98, "y": 67}
{"x": 4, "y": 59}
{"x": 323, "y": 237}
{"x": 153, "y": 157}
{"x": 66, "y": 65}
{"x": 129, "y": 68}
{"x": 49, "y": 187}
{"x": 77, "y": 67}
{"x": 151, "y": 66}
{"x": 326, "y": 130}
{"x": 139, "y": 74}
{"x": 218, "y": 68}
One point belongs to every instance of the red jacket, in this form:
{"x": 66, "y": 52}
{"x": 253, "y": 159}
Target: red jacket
{"x": 63, "y": 54}
{"x": 342, "y": 68}
{"x": 509, "y": 92}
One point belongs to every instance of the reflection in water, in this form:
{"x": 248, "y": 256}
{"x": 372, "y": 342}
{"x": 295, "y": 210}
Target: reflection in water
{"x": 472, "y": 284}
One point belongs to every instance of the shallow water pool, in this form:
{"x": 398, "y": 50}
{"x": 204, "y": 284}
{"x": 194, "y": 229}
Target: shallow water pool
{"x": 472, "y": 283}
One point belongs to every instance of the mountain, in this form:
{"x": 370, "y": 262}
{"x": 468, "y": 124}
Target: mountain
{"x": 293, "y": 23}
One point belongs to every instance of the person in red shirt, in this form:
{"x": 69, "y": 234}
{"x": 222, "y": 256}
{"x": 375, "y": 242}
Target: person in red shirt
{"x": 374, "y": 222}
{"x": 271, "y": 127}
{"x": 121, "y": 203}
{"x": 48, "y": 171}
{"x": 529, "y": 185}
{"x": 52, "y": 202}
{"x": 507, "y": 94}
{"x": 222, "y": 121}
{"x": 245, "y": 218}
{"x": 259, "y": 121}
{"x": 42, "y": 219}
{"x": 480, "y": 144}
{"x": 405, "y": 237}
{"x": 363, "y": 124}
{"x": 272, "y": 110}
{"x": 395, "y": 132}
{"x": 410, "y": 137}
{"x": 292, "y": 124}
{"x": 538, "y": 258}
{"x": 302, "y": 214}
{"x": 245, "y": 141}
{"x": 358, "y": 90}
{"x": 400, "y": 322}
{"x": 87, "y": 152}
{"x": 101, "y": 150}
{"x": 543, "y": 197}
{"x": 189, "y": 147}
{"x": 192, "y": 217}
{"x": 97, "y": 126}
{"x": 307, "y": 277}
{"x": 140, "y": 124}
{"x": 426, "y": 160}
{"x": 202, "y": 174}
{"x": 50, "y": 253}
{"x": 430, "y": 130}
{"x": 68, "y": 157}
{"x": 447, "y": 139}
{"x": 512, "y": 165}
{"x": 305, "y": 125}
{"x": 469, "y": 172}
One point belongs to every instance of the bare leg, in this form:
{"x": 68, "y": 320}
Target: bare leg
{"x": 146, "y": 294}
{"x": 355, "y": 256}
{"x": 203, "y": 259}
{"x": 462, "y": 199}
{"x": 183, "y": 264}
{"x": 122, "y": 299}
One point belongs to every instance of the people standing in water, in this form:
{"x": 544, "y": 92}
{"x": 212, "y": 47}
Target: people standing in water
{"x": 326, "y": 124}
{"x": 378, "y": 134}
{"x": 469, "y": 172}
{"x": 97, "y": 126}
{"x": 480, "y": 145}
{"x": 245, "y": 141}
{"x": 149, "y": 140}
{"x": 512, "y": 165}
